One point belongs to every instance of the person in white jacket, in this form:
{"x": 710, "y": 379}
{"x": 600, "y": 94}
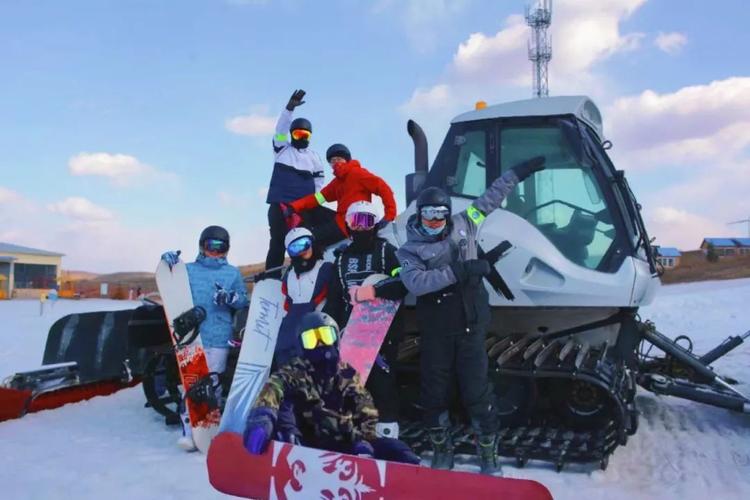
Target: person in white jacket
{"x": 297, "y": 172}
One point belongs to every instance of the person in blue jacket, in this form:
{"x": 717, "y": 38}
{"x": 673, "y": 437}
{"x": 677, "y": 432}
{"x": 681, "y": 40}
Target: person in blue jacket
{"x": 218, "y": 287}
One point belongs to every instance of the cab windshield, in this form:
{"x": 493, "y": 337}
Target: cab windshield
{"x": 571, "y": 202}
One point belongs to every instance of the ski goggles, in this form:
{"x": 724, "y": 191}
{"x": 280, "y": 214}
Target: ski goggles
{"x": 213, "y": 245}
{"x": 300, "y": 134}
{"x": 360, "y": 221}
{"x": 299, "y": 246}
{"x": 434, "y": 212}
{"x": 326, "y": 335}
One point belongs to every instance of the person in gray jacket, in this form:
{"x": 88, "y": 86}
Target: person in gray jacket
{"x": 440, "y": 265}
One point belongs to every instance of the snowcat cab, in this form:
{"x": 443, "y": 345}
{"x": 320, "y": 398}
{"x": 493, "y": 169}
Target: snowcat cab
{"x": 563, "y": 344}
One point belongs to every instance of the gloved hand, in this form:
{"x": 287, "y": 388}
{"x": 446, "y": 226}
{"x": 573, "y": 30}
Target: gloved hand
{"x": 363, "y": 449}
{"x": 528, "y": 167}
{"x": 296, "y": 99}
{"x": 286, "y": 210}
{"x": 361, "y": 293}
{"x": 171, "y": 258}
{"x": 471, "y": 270}
{"x": 394, "y": 450}
{"x": 224, "y": 297}
{"x": 260, "y": 423}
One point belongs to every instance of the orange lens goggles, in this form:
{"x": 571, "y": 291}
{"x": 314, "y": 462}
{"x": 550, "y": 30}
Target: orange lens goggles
{"x": 325, "y": 334}
{"x": 301, "y": 134}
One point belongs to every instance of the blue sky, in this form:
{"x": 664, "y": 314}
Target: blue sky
{"x": 129, "y": 126}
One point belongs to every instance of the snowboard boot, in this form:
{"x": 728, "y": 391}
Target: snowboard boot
{"x": 442, "y": 448}
{"x": 487, "y": 454}
{"x": 186, "y": 440}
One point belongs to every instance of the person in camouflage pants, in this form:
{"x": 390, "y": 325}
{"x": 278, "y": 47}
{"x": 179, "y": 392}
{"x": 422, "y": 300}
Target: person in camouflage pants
{"x": 319, "y": 401}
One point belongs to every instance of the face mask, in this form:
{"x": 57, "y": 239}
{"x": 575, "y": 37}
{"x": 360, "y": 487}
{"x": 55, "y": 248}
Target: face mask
{"x": 300, "y": 143}
{"x": 362, "y": 239}
{"x": 433, "y": 231}
{"x": 301, "y": 265}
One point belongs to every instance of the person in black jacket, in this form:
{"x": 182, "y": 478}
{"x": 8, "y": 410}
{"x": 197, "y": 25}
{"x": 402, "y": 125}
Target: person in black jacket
{"x": 368, "y": 254}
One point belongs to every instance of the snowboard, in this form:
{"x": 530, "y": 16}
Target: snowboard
{"x": 256, "y": 353}
{"x": 287, "y": 471}
{"x": 174, "y": 288}
{"x": 364, "y": 333}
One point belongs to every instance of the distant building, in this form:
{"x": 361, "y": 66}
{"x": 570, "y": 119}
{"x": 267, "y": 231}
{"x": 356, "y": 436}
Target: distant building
{"x": 26, "y": 272}
{"x": 727, "y": 247}
{"x": 668, "y": 257}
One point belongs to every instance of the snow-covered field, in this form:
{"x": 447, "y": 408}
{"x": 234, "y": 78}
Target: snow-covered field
{"x": 112, "y": 448}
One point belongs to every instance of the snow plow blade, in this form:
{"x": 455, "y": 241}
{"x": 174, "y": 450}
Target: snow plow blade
{"x": 286, "y": 471}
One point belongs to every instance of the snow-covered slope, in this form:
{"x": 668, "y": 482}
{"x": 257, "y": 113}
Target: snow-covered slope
{"x": 113, "y": 448}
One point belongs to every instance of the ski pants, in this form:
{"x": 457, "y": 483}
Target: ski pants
{"x": 460, "y": 356}
{"x": 382, "y": 384}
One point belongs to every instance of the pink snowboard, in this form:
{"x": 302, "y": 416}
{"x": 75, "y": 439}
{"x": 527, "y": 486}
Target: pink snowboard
{"x": 364, "y": 333}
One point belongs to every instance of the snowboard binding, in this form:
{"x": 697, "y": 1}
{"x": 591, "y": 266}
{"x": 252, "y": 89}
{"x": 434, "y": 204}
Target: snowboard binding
{"x": 205, "y": 391}
{"x": 185, "y": 326}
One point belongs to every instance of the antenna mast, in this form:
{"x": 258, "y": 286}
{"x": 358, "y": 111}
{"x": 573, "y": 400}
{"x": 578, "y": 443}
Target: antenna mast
{"x": 742, "y": 222}
{"x": 539, "y": 18}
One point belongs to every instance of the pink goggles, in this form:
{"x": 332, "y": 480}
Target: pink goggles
{"x": 360, "y": 221}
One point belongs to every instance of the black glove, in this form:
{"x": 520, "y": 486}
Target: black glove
{"x": 471, "y": 270}
{"x": 296, "y": 99}
{"x": 528, "y": 167}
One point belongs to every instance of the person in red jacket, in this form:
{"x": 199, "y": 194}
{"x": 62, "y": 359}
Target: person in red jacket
{"x": 351, "y": 183}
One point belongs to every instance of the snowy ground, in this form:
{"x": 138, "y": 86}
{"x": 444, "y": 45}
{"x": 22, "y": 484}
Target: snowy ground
{"x": 111, "y": 447}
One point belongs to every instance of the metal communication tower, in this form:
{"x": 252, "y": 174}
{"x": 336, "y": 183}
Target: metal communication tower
{"x": 539, "y": 17}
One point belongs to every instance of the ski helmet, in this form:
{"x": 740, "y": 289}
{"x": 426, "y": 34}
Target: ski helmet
{"x": 338, "y": 150}
{"x": 214, "y": 233}
{"x": 433, "y": 196}
{"x": 295, "y": 234}
{"x": 300, "y": 124}
{"x": 318, "y": 335}
{"x": 361, "y": 215}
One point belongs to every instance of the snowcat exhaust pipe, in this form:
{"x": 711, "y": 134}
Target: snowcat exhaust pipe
{"x": 415, "y": 181}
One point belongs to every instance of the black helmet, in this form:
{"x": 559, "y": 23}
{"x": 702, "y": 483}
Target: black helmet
{"x": 338, "y": 150}
{"x": 433, "y": 196}
{"x": 301, "y": 124}
{"x": 315, "y": 319}
{"x": 214, "y": 233}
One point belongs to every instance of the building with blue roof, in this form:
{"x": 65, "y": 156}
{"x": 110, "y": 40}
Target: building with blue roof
{"x": 668, "y": 257}
{"x": 727, "y": 247}
{"x": 27, "y": 272}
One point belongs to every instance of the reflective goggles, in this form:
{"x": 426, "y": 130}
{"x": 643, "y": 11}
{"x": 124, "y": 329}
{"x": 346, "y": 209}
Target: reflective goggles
{"x": 299, "y": 246}
{"x": 301, "y": 134}
{"x": 434, "y": 212}
{"x": 213, "y": 245}
{"x": 360, "y": 221}
{"x": 326, "y": 335}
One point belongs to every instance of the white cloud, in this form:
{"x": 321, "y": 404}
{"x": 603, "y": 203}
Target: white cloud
{"x": 671, "y": 43}
{"x": 584, "y": 33}
{"x": 694, "y": 124}
{"x": 122, "y": 170}
{"x": 253, "y": 125}
{"x": 81, "y": 209}
{"x": 680, "y": 228}
{"x": 422, "y": 19}
{"x": 8, "y": 196}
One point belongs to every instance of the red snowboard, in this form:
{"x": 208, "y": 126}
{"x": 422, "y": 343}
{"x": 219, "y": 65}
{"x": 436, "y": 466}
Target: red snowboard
{"x": 286, "y": 471}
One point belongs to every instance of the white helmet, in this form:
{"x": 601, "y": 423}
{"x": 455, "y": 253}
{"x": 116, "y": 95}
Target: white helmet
{"x": 362, "y": 207}
{"x": 296, "y": 233}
